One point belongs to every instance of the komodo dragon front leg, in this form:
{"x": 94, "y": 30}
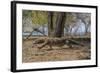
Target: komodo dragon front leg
{"x": 47, "y": 42}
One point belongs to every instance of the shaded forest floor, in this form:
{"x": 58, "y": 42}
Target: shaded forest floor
{"x": 63, "y": 53}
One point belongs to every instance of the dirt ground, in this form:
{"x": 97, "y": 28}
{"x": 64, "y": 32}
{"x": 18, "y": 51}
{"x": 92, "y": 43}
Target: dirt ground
{"x": 64, "y": 53}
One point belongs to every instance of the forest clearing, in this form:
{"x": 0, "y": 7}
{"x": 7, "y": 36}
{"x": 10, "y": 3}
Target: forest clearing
{"x": 55, "y": 36}
{"x": 31, "y": 52}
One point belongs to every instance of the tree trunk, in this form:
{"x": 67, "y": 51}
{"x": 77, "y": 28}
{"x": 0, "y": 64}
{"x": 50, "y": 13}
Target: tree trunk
{"x": 60, "y": 21}
{"x": 50, "y": 23}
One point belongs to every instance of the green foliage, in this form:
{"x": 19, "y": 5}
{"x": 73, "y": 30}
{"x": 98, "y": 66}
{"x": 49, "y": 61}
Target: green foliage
{"x": 70, "y": 19}
{"x": 39, "y": 17}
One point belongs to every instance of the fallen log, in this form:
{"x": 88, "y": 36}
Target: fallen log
{"x": 75, "y": 42}
{"x": 29, "y": 35}
{"x": 37, "y": 30}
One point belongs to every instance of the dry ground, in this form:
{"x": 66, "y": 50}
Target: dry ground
{"x": 33, "y": 54}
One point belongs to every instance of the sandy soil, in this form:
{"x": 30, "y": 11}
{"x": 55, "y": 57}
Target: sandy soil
{"x": 64, "y": 53}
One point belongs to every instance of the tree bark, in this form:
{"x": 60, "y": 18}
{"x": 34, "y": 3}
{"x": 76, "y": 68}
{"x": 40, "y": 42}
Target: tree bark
{"x": 60, "y": 21}
{"x": 50, "y": 23}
